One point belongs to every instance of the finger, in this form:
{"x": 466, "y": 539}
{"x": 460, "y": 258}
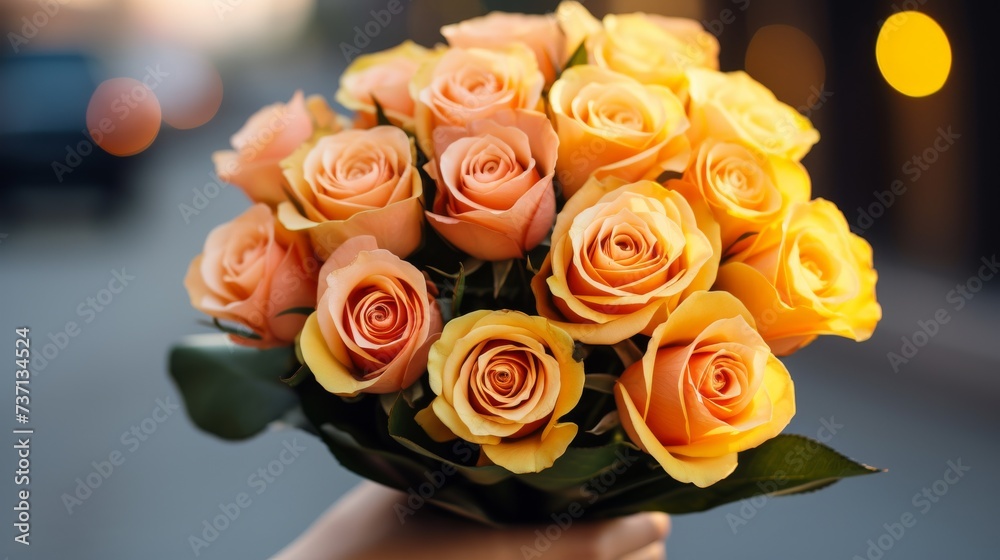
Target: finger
{"x": 606, "y": 540}
{"x": 655, "y": 551}
{"x": 360, "y": 517}
{"x": 629, "y": 534}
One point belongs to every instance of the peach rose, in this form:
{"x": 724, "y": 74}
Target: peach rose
{"x": 651, "y": 48}
{"x": 466, "y": 85}
{"x": 268, "y": 137}
{"x": 611, "y": 125}
{"x": 375, "y": 321}
{"x": 707, "y": 388}
{"x": 495, "y": 30}
{"x": 384, "y": 76}
{"x": 356, "y": 182}
{"x": 623, "y": 256}
{"x": 250, "y": 272}
{"x": 495, "y": 199}
{"x": 745, "y": 189}
{"x": 504, "y": 380}
{"x": 733, "y": 106}
{"x": 804, "y": 276}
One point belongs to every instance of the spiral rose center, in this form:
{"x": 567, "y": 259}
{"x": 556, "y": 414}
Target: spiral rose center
{"x": 484, "y": 84}
{"x": 627, "y": 255}
{"x": 723, "y": 380}
{"x": 244, "y": 260}
{"x": 740, "y": 182}
{"x": 820, "y": 269}
{"x": 622, "y": 116}
{"x": 508, "y": 382}
{"x": 503, "y": 376}
{"x": 248, "y": 254}
{"x": 346, "y": 176}
{"x": 471, "y": 88}
{"x": 378, "y": 320}
{"x": 613, "y": 108}
{"x": 356, "y": 174}
{"x": 491, "y": 165}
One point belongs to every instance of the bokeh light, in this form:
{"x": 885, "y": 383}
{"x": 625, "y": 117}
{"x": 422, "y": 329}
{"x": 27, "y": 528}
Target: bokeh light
{"x": 789, "y": 62}
{"x": 123, "y": 116}
{"x": 192, "y": 92}
{"x": 223, "y": 27}
{"x": 913, "y": 53}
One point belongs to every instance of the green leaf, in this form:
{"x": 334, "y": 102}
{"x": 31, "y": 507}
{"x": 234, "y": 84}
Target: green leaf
{"x": 501, "y": 269}
{"x": 668, "y": 175}
{"x": 627, "y": 352}
{"x": 785, "y": 465}
{"x": 456, "y": 300}
{"x": 536, "y": 257}
{"x": 608, "y": 422}
{"x": 297, "y": 311}
{"x": 600, "y": 382}
{"x": 291, "y": 198}
{"x": 746, "y": 235}
{"x": 570, "y": 473}
{"x": 298, "y": 376}
{"x": 579, "y": 56}
{"x": 403, "y": 428}
{"x": 242, "y": 333}
{"x": 357, "y": 434}
{"x": 380, "y": 117}
{"x": 231, "y": 391}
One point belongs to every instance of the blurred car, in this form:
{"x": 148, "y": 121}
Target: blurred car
{"x": 44, "y": 142}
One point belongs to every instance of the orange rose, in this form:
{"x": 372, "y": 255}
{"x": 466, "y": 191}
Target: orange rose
{"x": 466, "y": 85}
{"x": 707, "y": 388}
{"x": 356, "y": 182}
{"x": 623, "y": 256}
{"x": 612, "y": 125}
{"x": 495, "y": 30}
{"x": 268, "y": 137}
{"x": 495, "y": 198}
{"x": 249, "y": 273}
{"x": 745, "y": 189}
{"x": 804, "y": 276}
{"x": 732, "y": 106}
{"x": 504, "y": 380}
{"x": 375, "y": 321}
{"x": 384, "y": 76}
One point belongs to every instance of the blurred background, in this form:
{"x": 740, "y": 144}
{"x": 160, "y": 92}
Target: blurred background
{"x": 86, "y": 210}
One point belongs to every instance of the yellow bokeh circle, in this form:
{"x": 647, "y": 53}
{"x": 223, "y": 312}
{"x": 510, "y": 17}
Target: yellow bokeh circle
{"x": 913, "y": 53}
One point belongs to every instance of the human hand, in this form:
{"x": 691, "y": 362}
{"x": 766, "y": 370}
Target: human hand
{"x": 363, "y": 525}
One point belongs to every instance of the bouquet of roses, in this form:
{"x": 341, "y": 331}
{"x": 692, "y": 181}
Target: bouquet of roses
{"x": 546, "y": 268}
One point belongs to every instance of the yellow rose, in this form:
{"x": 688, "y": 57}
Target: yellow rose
{"x": 356, "y": 182}
{"x": 577, "y": 23}
{"x": 269, "y": 136}
{"x": 745, "y": 189}
{"x": 804, "y": 276}
{"x": 650, "y": 48}
{"x": 384, "y": 76}
{"x": 500, "y": 29}
{"x": 611, "y": 125}
{"x": 707, "y": 388}
{"x": 733, "y": 106}
{"x": 375, "y": 321}
{"x": 466, "y": 85}
{"x": 504, "y": 380}
{"x": 623, "y": 256}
